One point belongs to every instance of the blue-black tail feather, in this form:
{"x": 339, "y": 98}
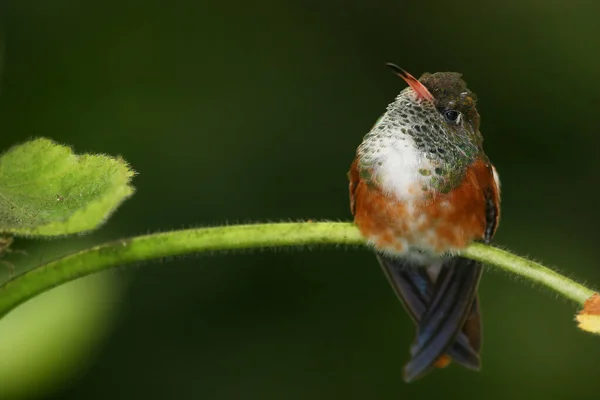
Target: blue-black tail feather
{"x": 450, "y": 306}
{"x": 446, "y": 311}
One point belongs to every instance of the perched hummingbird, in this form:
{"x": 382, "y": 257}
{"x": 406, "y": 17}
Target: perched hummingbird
{"x": 421, "y": 189}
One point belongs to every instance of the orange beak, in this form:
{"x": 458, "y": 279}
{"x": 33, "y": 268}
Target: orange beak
{"x": 418, "y": 87}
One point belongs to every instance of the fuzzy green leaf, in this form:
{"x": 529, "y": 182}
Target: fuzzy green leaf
{"x": 46, "y": 190}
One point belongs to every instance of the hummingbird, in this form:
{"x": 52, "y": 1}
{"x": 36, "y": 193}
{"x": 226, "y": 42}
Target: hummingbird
{"x": 422, "y": 189}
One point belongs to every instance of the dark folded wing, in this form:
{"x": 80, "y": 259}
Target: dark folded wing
{"x": 414, "y": 288}
{"x": 443, "y": 321}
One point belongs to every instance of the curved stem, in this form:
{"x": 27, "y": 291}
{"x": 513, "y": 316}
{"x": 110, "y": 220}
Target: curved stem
{"x": 158, "y": 245}
{"x": 529, "y": 269}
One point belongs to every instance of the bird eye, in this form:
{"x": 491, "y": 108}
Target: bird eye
{"x": 451, "y": 115}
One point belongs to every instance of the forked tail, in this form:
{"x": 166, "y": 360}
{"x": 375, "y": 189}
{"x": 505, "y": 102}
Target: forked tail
{"x": 444, "y": 307}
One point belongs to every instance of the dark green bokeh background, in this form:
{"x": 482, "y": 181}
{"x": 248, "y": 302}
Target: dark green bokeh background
{"x": 236, "y": 112}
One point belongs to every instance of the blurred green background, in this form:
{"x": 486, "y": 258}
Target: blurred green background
{"x": 251, "y": 111}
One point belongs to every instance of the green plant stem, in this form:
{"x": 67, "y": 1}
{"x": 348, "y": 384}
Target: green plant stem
{"x": 158, "y": 245}
{"x": 529, "y": 269}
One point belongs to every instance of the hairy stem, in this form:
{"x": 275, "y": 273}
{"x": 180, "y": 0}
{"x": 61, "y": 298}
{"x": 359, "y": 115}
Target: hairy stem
{"x": 158, "y": 245}
{"x": 529, "y": 269}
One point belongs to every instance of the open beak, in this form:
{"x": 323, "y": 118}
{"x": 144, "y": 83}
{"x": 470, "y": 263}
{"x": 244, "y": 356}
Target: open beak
{"x": 418, "y": 87}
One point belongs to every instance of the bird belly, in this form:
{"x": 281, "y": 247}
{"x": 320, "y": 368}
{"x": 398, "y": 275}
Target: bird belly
{"x": 421, "y": 227}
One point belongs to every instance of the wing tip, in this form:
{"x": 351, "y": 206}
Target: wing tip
{"x": 414, "y": 370}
